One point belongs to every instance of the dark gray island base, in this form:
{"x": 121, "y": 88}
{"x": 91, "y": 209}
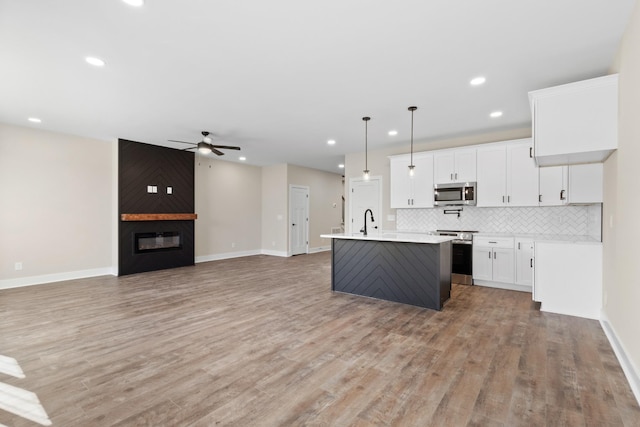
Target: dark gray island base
{"x": 406, "y": 272}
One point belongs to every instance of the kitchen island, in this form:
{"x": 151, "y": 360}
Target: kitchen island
{"x": 410, "y": 268}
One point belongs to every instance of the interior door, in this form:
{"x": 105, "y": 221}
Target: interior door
{"x": 299, "y": 217}
{"x": 365, "y": 195}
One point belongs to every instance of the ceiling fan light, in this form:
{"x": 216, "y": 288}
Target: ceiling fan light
{"x": 204, "y": 148}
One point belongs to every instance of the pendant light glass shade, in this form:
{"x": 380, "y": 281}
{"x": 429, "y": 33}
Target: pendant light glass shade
{"x": 412, "y": 167}
{"x": 365, "y": 172}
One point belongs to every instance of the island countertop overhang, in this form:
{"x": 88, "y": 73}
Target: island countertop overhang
{"x": 392, "y": 236}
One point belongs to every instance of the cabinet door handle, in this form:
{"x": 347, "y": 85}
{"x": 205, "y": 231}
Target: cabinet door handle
{"x": 493, "y": 242}
{"x": 494, "y": 255}
{"x": 456, "y": 176}
{"x": 451, "y": 176}
{"x": 411, "y": 202}
{"x": 502, "y": 199}
{"x": 562, "y": 194}
{"x": 531, "y": 152}
{"x": 508, "y": 199}
{"x": 518, "y": 245}
{"x": 531, "y": 262}
{"x": 408, "y": 201}
{"x": 489, "y": 254}
{"x": 539, "y": 198}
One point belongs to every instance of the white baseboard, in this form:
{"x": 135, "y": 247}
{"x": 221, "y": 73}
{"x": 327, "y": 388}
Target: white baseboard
{"x": 55, "y": 277}
{"x": 226, "y": 255}
{"x": 319, "y": 249}
{"x": 630, "y": 371}
{"x": 499, "y": 285}
{"x": 274, "y": 253}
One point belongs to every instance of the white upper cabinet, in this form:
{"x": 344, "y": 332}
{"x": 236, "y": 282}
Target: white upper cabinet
{"x": 585, "y": 183}
{"x": 553, "y": 185}
{"x": 454, "y": 166}
{"x": 407, "y": 191}
{"x": 507, "y": 175}
{"x": 492, "y": 176}
{"x": 575, "y": 123}
{"x": 522, "y": 174}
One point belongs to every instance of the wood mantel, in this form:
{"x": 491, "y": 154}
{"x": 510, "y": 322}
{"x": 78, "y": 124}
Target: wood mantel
{"x": 159, "y": 217}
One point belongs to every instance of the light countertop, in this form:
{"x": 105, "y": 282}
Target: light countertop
{"x": 391, "y": 236}
{"x": 556, "y": 238}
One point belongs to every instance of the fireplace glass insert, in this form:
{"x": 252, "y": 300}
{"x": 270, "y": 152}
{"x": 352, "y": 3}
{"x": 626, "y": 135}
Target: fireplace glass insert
{"x": 161, "y": 241}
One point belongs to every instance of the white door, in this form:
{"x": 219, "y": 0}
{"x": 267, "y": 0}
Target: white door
{"x": 465, "y": 166}
{"x": 299, "y": 219}
{"x": 443, "y": 167}
{"x": 400, "y": 190}
{"x": 482, "y": 263}
{"x": 422, "y": 181}
{"x": 503, "y": 265}
{"x": 524, "y": 262}
{"x": 365, "y": 195}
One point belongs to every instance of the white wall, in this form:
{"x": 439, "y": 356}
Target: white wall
{"x": 275, "y": 210}
{"x": 56, "y": 193}
{"x": 621, "y": 224}
{"x": 228, "y": 201}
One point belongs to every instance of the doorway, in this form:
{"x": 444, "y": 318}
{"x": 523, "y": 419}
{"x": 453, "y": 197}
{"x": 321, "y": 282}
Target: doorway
{"x": 365, "y": 195}
{"x": 298, "y": 219}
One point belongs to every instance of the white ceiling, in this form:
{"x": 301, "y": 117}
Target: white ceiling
{"x": 281, "y": 77}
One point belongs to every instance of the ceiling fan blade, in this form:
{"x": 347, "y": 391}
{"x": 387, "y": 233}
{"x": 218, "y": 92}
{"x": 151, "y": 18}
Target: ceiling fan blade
{"x": 218, "y": 152}
{"x": 190, "y": 148}
{"x": 226, "y": 147}
{"x": 182, "y": 142}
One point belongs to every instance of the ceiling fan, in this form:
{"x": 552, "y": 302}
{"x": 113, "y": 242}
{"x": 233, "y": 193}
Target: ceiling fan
{"x": 205, "y": 146}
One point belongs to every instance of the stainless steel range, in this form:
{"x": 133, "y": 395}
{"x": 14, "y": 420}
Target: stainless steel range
{"x": 461, "y": 256}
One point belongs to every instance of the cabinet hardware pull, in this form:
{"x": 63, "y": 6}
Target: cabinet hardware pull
{"x": 489, "y": 254}
{"x": 502, "y": 199}
{"x": 494, "y": 255}
{"x": 518, "y": 245}
{"x": 408, "y": 201}
{"x": 531, "y": 262}
{"x": 539, "y": 198}
{"x": 456, "y": 176}
{"x": 508, "y": 199}
{"x": 562, "y": 195}
{"x": 451, "y": 176}
{"x": 493, "y": 242}
{"x": 531, "y": 152}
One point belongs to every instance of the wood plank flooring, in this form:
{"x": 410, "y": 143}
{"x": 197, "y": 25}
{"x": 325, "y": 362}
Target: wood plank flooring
{"x": 262, "y": 341}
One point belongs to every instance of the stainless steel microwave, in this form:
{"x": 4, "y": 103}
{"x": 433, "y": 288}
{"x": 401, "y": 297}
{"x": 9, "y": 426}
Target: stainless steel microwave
{"x": 458, "y": 194}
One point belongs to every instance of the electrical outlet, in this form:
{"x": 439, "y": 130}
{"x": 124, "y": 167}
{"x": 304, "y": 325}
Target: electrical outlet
{"x": 18, "y": 266}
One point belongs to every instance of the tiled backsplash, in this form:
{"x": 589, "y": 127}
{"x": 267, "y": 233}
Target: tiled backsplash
{"x": 557, "y": 220}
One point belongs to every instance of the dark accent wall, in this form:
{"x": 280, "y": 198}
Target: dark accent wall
{"x": 142, "y": 165}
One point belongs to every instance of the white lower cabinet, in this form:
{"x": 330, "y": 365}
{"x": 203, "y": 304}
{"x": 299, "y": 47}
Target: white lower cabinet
{"x": 493, "y": 260}
{"x": 524, "y": 262}
{"x": 568, "y": 278}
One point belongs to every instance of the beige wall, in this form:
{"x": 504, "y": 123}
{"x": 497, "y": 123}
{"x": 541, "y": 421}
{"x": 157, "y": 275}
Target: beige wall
{"x": 325, "y": 201}
{"x": 228, "y": 201}
{"x": 379, "y": 163}
{"x": 56, "y": 194}
{"x": 274, "y": 209}
{"x": 621, "y": 227}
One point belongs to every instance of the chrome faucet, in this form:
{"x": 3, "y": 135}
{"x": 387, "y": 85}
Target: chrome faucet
{"x": 364, "y": 229}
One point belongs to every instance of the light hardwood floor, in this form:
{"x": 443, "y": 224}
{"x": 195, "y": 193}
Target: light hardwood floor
{"x": 262, "y": 341}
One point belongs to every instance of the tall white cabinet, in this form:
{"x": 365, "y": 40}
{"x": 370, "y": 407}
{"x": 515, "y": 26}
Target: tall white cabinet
{"x": 507, "y": 174}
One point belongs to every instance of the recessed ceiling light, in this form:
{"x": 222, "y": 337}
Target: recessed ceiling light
{"x": 477, "y": 81}
{"x": 496, "y": 114}
{"x": 34, "y": 120}
{"x": 341, "y": 166}
{"x": 97, "y": 62}
{"x": 136, "y": 3}
{"x": 393, "y": 132}
{"x": 242, "y": 158}
{"x": 331, "y": 142}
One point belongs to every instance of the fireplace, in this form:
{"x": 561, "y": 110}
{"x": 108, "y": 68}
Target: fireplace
{"x": 157, "y": 241}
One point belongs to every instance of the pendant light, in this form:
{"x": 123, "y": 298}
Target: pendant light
{"x": 411, "y": 165}
{"x": 365, "y": 172}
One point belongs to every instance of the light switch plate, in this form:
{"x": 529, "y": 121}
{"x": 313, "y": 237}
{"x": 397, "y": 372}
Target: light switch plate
{"x": 169, "y": 190}
{"x": 149, "y": 189}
